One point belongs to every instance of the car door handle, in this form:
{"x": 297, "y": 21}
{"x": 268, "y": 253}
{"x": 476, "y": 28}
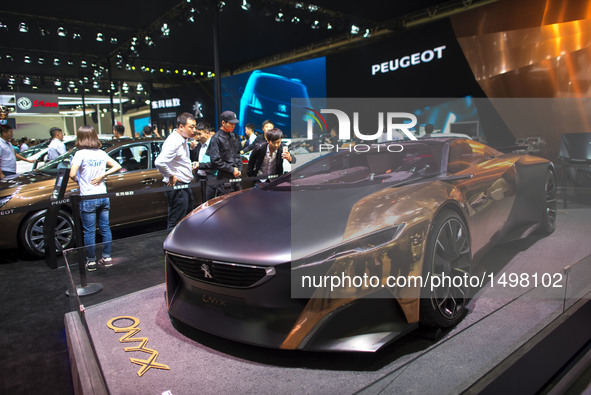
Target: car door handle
{"x": 148, "y": 181}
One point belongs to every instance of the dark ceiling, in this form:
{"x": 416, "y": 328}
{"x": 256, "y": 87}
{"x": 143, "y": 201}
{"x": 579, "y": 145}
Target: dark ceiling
{"x": 61, "y": 41}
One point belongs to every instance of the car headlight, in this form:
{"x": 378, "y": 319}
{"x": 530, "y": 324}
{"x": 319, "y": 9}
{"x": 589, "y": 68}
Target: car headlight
{"x": 363, "y": 244}
{"x": 4, "y": 200}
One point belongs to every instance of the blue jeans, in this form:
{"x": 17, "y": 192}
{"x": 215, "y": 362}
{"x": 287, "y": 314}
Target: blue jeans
{"x": 90, "y": 211}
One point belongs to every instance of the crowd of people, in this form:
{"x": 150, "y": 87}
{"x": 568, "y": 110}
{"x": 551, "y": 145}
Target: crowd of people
{"x": 217, "y": 159}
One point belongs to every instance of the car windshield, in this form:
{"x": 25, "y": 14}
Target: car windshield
{"x": 378, "y": 165}
{"x": 63, "y": 161}
{"x": 33, "y": 150}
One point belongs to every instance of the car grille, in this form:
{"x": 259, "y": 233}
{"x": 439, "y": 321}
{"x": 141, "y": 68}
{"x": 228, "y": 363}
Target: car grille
{"x": 221, "y": 273}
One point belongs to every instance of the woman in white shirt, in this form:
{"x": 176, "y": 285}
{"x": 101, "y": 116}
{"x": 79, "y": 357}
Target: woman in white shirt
{"x": 88, "y": 169}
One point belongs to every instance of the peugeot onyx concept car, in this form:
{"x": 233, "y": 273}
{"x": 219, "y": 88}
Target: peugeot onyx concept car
{"x": 427, "y": 208}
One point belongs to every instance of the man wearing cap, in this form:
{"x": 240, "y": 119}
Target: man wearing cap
{"x": 56, "y": 146}
{"x": 223, "y": 151}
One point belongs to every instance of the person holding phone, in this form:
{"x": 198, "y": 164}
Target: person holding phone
{"x": 267, "y": 158}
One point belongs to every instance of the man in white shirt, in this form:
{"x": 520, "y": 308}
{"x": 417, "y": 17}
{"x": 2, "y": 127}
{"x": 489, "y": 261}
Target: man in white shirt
{"x": 56, "y": 146}
{"x": 175, "y": 165}
{"x": 7, "y": 155}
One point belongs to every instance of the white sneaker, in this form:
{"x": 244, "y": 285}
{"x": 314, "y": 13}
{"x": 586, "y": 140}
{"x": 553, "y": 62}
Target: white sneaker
{"x": 91, "y": 266}
{"x": 106, "y": 262}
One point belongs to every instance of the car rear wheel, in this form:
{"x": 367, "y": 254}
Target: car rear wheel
{"x": 31, "y": 233}
{"x": 548, "y": 220}
{"x": 448, "y": 259}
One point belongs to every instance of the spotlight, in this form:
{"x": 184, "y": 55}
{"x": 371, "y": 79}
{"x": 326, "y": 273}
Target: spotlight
{"x": 57, "y": 82}
{"x": 27, "y": 81}
{"x": 11, "y": 80}
{"x": 366, "y": 34}
{"x": 41, "y": 60}
{"x": 95, "y": 85}
{"x": 72, "y": 84}
{"x": 3, "y": 26}
{"x": 313, "y": 8}
{"x": 328, "y": 26}
{"x": 83, "y": 64}
{"x": 43, "y": 31}
{"x": 139, "y": 87}
{"x": 245, "y": 5}
{"x": 56, "y": 61}
{"x": 70, "y": 62}
{"x": 27, "y": 59}
{"x": 114, "y": 40}
{"x": 148, "y": 41}
{"x": 279, "y": 17}
{"x": 354, "y": 29}
{"x": 99, "y": 37}
{"x": 76, "y": 36}
{"x": 23, "y": 28}
{"x": 316, "y": 25}
{"x": 295, "y": 19}
{"x": 221, "y": 5}
{"x": 9, "y": 57}
{"x": 61, "y": 31}
{"x": 165, "y": 29}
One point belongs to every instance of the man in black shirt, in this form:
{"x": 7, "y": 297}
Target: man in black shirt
{"x": 224, "y": 152}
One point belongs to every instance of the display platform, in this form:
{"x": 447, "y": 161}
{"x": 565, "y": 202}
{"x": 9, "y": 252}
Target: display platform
{"x": 503, "y": 324}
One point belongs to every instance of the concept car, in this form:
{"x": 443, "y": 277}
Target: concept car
{"x": 324, "y": 258}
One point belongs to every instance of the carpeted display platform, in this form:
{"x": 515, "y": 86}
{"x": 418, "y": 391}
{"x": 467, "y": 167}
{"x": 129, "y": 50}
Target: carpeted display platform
{"x": 502, "y": 321}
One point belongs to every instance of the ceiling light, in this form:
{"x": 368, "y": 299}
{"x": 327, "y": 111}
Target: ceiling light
{"x": 295, "y": 19}
{"x": 11, "y": 80}
{"x": 83, "y": 64}
{"x": 139, "y": 87}
{"x": 27, "y": 81}
{"x": 76, "y": 36}
{"x": 148, "y": 41}
{"x": 245, "y": 5}
{"x": 57, "y": 82}
{"x": 27, "y": 59}
{"x": 23, "y": 28}
{"x": 316, "y": 25}
{"x": 43, "y": 31}
{"x": 61, "y": 31}
{"x": 221, "y": 5}
{"x": 70, "y": 62}
{"x": 9, "y": 57}
{"x": 95, "y": 85}
{"x": 165, "y": 29}
{"x": 366, "y": 34}
{"x": 279, "y": 17}
{"x": 313, "y": 8}
{"x": 354, "y": 29}
{"x": 328, "y": 26}
{"x": 3, "y": 26}
{"x": 72, "y": 84}
{"x": 56, "y": 61}
{"x": 99, "y": 36}
{"x": 41, "y": 60}
{"x": 114, "y": 40}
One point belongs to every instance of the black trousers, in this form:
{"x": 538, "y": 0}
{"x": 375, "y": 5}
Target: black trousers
{"x": 180, "y": 203}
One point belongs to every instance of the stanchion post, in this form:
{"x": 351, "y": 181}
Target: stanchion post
{"x": 50, "y": 222}
{"x": 84, "y": 288}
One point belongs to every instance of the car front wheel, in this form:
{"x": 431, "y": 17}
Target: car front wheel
{"x": 447, "y": 263}
{"x": 31, "y": 233}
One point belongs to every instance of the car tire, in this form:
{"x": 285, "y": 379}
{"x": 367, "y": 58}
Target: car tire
{"x": 447, "y": 255}
{"x": 31, "y": 232}
{"x": 548, "y": 220}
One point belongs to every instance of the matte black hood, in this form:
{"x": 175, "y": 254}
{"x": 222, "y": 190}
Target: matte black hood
{"x": 267, "y": 227}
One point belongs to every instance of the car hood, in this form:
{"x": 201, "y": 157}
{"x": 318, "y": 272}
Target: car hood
{"x": 24, "y": 179}
{"x": 267, "y": 227}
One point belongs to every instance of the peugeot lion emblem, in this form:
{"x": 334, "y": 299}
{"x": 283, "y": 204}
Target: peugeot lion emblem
{"x": 206, "y": 272}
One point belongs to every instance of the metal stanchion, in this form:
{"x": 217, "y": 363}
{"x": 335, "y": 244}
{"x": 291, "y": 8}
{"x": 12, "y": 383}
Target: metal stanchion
{"x": 84, "y": 288}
